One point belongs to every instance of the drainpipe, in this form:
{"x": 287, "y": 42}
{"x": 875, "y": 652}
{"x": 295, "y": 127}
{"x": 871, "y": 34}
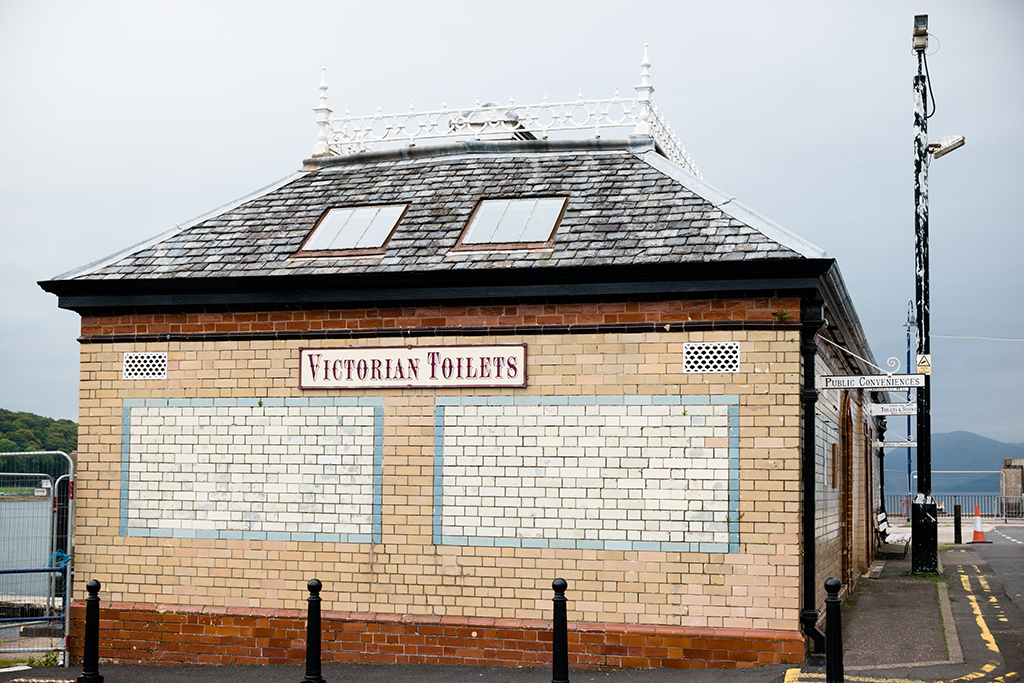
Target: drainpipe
{"x": 881, "y": 425}
{"x": 811, "y": 321}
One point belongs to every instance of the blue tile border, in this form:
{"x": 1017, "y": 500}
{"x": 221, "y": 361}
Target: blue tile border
{"x": 377, "y": 403}
{"x": 730, "y": 400}
{"x": 378, "y": 469}
{"x": 126, "y": 428}
{"x": 438, "y": 485}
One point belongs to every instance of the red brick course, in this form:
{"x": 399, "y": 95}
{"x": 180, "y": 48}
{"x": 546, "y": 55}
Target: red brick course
{"x": 766, "y": 310}
{"x": 147, "y": 634}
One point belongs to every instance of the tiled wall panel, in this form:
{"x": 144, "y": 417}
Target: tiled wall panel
{"x": 263, "y": 470}
{"x": 601, "y": 473}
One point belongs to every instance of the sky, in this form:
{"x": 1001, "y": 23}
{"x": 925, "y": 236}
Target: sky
{"x": 120, "y": 120}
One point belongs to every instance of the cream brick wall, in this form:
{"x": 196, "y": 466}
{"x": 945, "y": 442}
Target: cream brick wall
{"x": 156, "y": 525}
{"x": 829, "y": 472}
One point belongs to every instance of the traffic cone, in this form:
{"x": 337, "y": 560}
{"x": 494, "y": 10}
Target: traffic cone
{"x": 979, "y": 533}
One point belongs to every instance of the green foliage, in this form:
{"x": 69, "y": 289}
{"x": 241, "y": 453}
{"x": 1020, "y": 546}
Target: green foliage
{"x": 30, "y": 432}
{"x": 51, "y": 658}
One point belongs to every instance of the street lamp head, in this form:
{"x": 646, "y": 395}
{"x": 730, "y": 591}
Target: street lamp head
{"x": 944, "y": 146}
{"x": 920, "y": 32}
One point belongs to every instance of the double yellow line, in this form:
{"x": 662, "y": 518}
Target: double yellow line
{"x": 965, "y": 581}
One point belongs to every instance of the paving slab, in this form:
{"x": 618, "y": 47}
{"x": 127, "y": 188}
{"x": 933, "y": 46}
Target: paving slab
{"x": 894, "y": 620}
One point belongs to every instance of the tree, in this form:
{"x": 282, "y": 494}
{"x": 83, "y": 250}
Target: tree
{"x": 26, "y": 440}
{"x": 30, "y": 432}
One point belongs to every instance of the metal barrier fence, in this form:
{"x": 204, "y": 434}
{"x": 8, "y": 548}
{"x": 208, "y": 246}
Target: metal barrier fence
{"x": 36, "y": 499}
{"x": 990, "y": 505}
{"x": 35, "y": 621}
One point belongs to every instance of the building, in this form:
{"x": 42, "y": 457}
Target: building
{"x": 438, "y": 377}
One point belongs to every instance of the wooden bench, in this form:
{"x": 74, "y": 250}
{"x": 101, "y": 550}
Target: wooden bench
{"x": 884, "y": 536}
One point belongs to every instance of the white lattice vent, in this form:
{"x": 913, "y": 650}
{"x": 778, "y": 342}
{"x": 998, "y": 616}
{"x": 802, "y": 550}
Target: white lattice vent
{"x": 703, "y": 357}
{"x": 147, "y": 365}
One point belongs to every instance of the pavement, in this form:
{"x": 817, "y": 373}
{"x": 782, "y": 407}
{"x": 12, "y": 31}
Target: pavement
{"x": 960, "y": 625}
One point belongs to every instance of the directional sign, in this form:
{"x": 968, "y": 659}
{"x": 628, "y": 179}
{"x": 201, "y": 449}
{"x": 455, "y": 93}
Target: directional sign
{"x": 875, "y": 382}
{"x": 895, "y": 444}
{"x": 892, "y": 409}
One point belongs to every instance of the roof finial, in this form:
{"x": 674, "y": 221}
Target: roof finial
{"x": 643, "y": 96}
{"x": 323, "y": 117}
{"x": 645, "y": 70}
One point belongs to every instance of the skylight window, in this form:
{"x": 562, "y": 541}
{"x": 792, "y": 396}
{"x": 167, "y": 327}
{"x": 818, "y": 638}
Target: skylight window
{"x": 512, "y": 221}
{"x": 360, "y": 227}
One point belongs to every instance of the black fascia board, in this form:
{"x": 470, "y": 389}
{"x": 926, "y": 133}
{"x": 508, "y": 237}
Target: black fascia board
{"x": 106, "y": 296}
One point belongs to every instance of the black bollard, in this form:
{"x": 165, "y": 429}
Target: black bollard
{"x": 833, "y": 632}
{"x": 559, "y": 635}
{"x": 958, "y": 536}
{"x": 91, "y": 656}
{"x": 313, "y": 634}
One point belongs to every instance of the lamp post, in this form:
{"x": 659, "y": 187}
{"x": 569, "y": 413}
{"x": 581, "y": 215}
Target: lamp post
{"x": 924, "y": 520}
{"x": 911, "y": 326}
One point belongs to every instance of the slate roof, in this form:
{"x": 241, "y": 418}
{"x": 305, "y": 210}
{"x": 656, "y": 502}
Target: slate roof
{"x": 627, "y": 205}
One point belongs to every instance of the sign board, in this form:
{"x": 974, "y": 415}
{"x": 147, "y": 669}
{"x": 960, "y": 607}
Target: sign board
{"x": 924, "y": 364}
{"x": 895, "y": 444}
{"x": 871, "y": 382}
{"x": 364, "y": 367}
{"x": 892, "y": 409}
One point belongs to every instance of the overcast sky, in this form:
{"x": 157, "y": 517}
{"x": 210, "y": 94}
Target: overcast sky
{"x": 119, "y": 120}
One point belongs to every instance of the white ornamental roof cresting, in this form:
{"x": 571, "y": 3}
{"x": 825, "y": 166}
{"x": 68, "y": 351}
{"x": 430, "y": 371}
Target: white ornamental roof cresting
{"x": 347, "y": 134}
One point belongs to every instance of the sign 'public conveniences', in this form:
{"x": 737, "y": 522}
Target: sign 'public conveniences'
{"x": 365, "y": 367}
{"x": 872, "y": 382}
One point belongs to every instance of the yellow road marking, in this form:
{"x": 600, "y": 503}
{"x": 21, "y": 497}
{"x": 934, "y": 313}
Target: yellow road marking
{"x": 986, "y": 635}
{"x": 987, "y": 669}
{"x": 966, "y": 583}
{"x": 795, "y": 676}
{"x": 984, "y": 583}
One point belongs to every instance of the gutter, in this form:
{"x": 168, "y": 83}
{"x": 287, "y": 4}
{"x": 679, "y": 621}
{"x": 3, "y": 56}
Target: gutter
{"x": 94, "y": 296}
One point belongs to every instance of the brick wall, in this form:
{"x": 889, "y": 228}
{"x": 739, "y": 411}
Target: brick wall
{"x": 771, "y": 311}
{"x": 831, "y": 467}
{"x": 732, "y": 566}
{"x": 140, "y": 633}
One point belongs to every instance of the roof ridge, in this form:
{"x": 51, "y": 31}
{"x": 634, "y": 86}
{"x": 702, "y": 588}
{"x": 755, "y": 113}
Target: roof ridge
{"x": 634, "y": 144}
{"x": 730, "y": 206}
{"x": 177, "y": 229}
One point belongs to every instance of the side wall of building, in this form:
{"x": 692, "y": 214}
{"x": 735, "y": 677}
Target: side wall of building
{"x": 437, "y": 518}
{"x": 845, "y": 485}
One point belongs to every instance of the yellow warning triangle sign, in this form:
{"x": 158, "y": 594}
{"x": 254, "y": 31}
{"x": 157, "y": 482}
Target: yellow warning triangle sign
{"x": 924, "y": 364}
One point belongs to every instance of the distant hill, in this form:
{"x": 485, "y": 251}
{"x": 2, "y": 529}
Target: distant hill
{"x": 969, "y": 451}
